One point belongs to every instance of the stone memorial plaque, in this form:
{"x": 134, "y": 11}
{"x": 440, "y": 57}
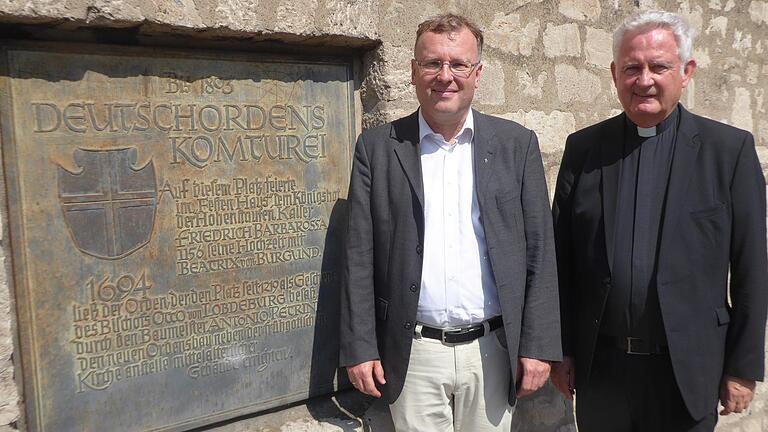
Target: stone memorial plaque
{"x": 174, "y": 231}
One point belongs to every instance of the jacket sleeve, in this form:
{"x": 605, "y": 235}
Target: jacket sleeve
{"x": 357, "y": 321}
{"x": 561, "y": 212}
{"x": 745, "y": 341}
{"x": 540, "y": 332}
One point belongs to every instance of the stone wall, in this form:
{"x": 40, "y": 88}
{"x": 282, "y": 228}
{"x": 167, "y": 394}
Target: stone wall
{"x": 546, "y": 65}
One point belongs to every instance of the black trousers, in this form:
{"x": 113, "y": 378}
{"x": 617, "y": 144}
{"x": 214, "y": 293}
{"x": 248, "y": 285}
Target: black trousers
{"x": 634, "y": 393}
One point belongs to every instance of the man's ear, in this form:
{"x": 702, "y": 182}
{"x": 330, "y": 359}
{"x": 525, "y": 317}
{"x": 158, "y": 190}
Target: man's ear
{"x": 613, "y": 72}
{"x": 688, "y": 69}
{"x": 414, "y": 71}
{"x": 478, "y": 72}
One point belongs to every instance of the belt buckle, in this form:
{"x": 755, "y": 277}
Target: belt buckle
{"x": 455, "y": 332}
{"x": 629, "y": 346}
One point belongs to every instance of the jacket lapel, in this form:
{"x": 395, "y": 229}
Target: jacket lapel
{"x": 484, "y": 145}
{"x": 405, "y": 133}
{"x": 686, "y": 150}
{"x": 611, "y": 147}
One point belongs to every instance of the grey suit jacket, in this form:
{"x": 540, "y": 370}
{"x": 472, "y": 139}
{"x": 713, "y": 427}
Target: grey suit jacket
{"x": 385, "y": 244}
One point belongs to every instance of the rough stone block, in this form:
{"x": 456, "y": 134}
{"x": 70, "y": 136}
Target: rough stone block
{"x": 701, "y": 55}
{"x": 563, "y": 40}
{"x": 598, "y": 48}
{"x": 358, "y": 17}
{"x": 718, "y": 24}
{"x": 552, "y": 129}
{"x": 580, "y": 9}
{"x": 516, "y": 4}
{"x": 508, "y": 34}
{"x": 742, "y": 42}
{"x": 576, "y": 85}
{"x": 296, "y": 16}
{"x": 530, "y": 86}
{"x": 241, "y": 15}
{"x": 492, "y": 84}
{"x": 758, "y": 12}
{"x": 741, "y": 115}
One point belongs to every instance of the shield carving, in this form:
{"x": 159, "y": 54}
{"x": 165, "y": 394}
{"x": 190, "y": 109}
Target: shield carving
{"x": 109, "y": 204}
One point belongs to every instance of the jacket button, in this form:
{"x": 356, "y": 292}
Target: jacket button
{"x": 407, "y": 325}
{"x": 419, "y": 249}
{"x": 412, "y": 287}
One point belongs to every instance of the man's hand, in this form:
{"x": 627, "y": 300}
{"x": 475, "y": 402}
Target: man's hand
{"x": 564, "y": 377}
{"x": 735, "y": 394}
{"x": 362, "y": 377}
{"x": 534, "y": 374}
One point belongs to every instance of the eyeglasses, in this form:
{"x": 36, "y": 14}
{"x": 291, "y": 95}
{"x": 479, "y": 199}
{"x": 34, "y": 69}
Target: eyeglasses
{"x": 458, "y": 68}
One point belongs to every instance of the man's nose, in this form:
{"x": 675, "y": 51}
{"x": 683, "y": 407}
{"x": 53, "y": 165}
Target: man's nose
{"x": 645, "y": 79}
{"x": 445, "y": 74}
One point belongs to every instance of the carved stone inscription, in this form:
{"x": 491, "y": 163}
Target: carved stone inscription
{"x": 173, "y": 224}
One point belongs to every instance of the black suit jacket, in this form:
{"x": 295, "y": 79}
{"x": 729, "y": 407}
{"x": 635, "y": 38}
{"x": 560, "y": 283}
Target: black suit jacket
{"x": 386, "y": 234}
{"x": 714, "y": 221}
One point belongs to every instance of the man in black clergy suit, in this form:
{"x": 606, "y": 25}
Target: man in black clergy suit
{"x": 652, "y": 210}
{"x": 450, "y": 287}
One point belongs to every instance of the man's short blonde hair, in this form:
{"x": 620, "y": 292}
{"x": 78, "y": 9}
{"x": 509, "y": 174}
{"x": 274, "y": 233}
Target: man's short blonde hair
{"x": 450, "y": 23}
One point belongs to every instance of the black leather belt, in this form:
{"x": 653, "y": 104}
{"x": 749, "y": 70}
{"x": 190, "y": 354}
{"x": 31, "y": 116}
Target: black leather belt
{"x": 633, "y": 345}
{"x": 464, "y": 334}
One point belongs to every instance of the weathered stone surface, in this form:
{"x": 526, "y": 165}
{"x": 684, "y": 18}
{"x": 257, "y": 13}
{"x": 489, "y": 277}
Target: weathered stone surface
{"x": 563, "y": 40}
{"x": 762, "y": 154}
{"x": 296, "y": 16}
{"x": 492, "y": 84}
{"x": 598, "y": 48}
{"x": 508, "y": 34}
{"x": 689, "y": 95}
{"x": 530, "y": 86}
{"x": 758, "y": 12}
{"x": 648, "y": 4}
{"x": 241, "y": 15}
{"x": 694, "y": 15}
{"x": 576, "y": 85}
{"x": 515, "y": 4}
{"x": 742, "y": 42}
{"x": 701, "y": 55}
{"x": 718, "y": 24}
{"x": 359, "y": 17}
{"x": 741, "y": 116}
{"x": 580, "y": 9}
{"x": 543, "y": 411}
{"x": 552, "y": 129}
{"x": 9, "y": 408}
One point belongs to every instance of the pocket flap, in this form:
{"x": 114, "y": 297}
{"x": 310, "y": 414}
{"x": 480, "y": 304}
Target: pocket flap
{"x": 723, "y": 317}
{"x": 381, "y": 308}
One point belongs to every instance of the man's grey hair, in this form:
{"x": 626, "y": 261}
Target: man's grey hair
{"x": 653, "y": 19}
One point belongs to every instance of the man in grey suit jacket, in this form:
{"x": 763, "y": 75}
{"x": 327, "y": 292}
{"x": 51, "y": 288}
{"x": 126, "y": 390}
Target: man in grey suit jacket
{"x": 449, "y": 308}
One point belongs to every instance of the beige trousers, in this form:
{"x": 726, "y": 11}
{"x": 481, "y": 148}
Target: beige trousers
{"x": 455, "y": 387}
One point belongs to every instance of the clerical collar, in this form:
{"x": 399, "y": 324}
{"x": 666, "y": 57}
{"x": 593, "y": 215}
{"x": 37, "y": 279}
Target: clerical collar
{"x": 659, "y": 128}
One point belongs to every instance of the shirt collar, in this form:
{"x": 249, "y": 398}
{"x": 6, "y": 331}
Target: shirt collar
{"x": 469, "y": 127}
{"x": 665, "y": 124}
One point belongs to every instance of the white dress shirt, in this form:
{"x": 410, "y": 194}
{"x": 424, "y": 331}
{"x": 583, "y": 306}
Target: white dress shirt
{"x": 457, "y": 284}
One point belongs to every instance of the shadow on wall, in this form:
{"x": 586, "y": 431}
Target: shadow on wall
{"x": 544, "y": 411}
{"x": 333, "y": 401}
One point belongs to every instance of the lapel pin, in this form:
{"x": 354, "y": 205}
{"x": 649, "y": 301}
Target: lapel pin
{"x": 485, "y": 160}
